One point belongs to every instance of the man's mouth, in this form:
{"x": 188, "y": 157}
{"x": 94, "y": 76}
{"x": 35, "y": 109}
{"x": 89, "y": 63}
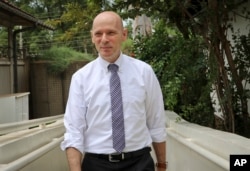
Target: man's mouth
{"x": 105, "y": 47}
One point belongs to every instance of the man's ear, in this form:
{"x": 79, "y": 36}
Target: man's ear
{"x": 125, "y": 33}
{"x": 91, "y": 35}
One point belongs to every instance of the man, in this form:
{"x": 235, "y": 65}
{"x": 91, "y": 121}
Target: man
{"x": 90, "y": 108}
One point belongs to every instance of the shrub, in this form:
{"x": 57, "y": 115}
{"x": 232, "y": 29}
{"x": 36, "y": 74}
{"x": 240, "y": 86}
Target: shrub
{"x": 61, "y": 57}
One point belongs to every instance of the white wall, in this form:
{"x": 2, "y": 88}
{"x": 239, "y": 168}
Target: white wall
{"x": 14, "y": 107}
{"x": 35, "y": 149}
{"x": 190, "y": 147}
{"x": 196, "y": 148}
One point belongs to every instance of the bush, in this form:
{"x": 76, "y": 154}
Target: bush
{"x": 181, "y": 67}
{"x": 61, "y": 57}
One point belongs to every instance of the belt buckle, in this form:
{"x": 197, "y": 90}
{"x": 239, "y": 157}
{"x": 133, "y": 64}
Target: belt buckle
{"x": 113, "y": 160}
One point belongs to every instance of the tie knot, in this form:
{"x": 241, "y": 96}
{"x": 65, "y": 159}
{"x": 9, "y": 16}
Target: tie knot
{"x": 113, "y": 67}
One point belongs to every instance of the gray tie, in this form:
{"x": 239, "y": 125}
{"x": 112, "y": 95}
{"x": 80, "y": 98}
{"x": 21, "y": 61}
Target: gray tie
{"x": 117, "y": 110}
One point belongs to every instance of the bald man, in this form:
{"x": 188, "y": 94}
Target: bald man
{"x": 89, "y": 137}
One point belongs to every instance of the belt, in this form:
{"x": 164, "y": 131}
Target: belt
{"x": 117, "y": 157}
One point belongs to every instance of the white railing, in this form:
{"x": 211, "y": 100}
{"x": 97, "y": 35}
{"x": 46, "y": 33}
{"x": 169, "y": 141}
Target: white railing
{"x": 18, "y": 126}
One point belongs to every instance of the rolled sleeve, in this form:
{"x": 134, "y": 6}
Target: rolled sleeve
{"x": 158, "y": 135}
{"x": 72, "y": 140}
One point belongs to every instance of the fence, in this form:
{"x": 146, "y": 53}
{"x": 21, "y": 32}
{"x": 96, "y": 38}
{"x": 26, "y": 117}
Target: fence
{"x": 48, "y": 92}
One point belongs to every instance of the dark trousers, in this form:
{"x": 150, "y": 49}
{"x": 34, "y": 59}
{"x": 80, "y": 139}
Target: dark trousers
{"x": 140, "y": 163}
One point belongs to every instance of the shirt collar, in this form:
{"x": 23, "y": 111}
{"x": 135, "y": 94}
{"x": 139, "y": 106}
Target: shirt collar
{"x": 104, "y": 64}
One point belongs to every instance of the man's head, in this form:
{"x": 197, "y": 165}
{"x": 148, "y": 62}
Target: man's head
{"x": 108, "y": 34}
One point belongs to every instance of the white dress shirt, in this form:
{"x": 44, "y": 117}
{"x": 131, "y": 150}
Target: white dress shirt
{"x": 87, "y": 117}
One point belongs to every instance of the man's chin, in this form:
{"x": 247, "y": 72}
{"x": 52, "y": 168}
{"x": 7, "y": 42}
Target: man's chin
{"x": 109, "y": 58}
{"x": 106, "y": 56}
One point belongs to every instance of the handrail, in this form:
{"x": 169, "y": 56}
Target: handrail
{"x": 25, "y": 160}
{"x": 18, "y": 126}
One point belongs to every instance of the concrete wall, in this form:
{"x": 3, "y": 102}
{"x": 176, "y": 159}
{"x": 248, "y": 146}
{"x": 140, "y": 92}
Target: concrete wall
{"x": 14, "y": 107}
{"x": 54, "y": 160}
{"x": 194, "y": 148}
{"x": 33, "y": 149}
{"x": 190, "y": 147}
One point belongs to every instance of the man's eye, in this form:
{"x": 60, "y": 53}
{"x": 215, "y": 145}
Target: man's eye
{"x": 111, "y": 33}
{"x": 98, "y": 34}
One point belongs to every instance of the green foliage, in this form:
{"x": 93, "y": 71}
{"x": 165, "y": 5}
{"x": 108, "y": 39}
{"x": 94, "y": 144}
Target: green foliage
{"x": 171, "y": 91}
{"x": 211, "y": 20}
{"x": 180, "y": 66}
{"x": 127, "y": 47}
{"x": 241, "y": 49}
{"x": 61, "y": 57}
{"x": 189, "y": 64}
{"x": 3, "y": 36}
{"x": 149, "y": 7}
{"x": 71, "y": 19}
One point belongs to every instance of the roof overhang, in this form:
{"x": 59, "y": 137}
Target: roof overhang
{"x": 11, "y": 16}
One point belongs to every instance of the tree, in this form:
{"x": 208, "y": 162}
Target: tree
{"x": 180, "y": 66}
{"x": 71, "y": 20}
{"x": 76, "y": 21}
{"x": 209, "y": 19}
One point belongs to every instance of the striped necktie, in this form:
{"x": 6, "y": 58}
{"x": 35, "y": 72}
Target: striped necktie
{"x": 118, "y": 133}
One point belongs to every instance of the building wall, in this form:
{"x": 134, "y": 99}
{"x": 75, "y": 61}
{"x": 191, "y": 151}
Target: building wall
{"x": 14, "y": 107}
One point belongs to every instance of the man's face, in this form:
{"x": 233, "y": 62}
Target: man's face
{"x": 107, "y": 35}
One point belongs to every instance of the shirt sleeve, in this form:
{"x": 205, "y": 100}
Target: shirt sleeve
{"x": 155, "y": 112}
{"x": 74, "y": 118}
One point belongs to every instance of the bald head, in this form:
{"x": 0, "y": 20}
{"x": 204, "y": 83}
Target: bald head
{"x": 108, "y": 16}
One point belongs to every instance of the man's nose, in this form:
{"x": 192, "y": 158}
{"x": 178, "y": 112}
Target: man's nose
{"x": 104, "y": 38}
